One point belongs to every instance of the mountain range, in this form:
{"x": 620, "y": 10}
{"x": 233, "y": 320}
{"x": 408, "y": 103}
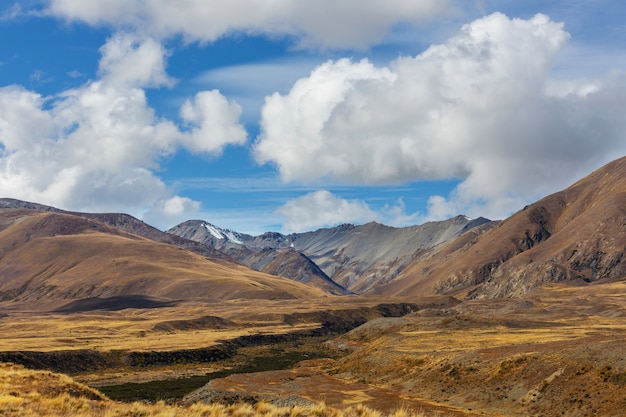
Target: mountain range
{"x": 576, "y": 236}
{"x": 358, "y": 258}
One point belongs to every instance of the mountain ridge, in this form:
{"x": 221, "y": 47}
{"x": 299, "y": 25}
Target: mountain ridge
{"x": 50, "y": 258}
{"x": 356, "y": 257}
{"x": 577, "y": 235}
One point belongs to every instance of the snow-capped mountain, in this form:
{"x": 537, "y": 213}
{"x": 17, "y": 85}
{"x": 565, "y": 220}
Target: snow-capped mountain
{"x": 355, "y": 257}
{"x": 209, "y": 234}
{"x": 270, "y": 253}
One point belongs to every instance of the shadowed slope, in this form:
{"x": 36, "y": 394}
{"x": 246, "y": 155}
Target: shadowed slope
{"x": 577, "y": 236}
{"x": 363, "y": 257}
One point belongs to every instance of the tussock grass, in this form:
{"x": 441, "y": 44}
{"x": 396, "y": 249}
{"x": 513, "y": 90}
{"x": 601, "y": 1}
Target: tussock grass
{"x": 28, "y": 393}
{"x": 126, "y": 330}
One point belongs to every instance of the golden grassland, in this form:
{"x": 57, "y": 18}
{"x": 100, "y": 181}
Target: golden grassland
{"x": 426, "y": 341}
{"x": 133, "y": 329}
{"x": 559, "y": 351}
{"x": 117, "y": 331}
{"x": 28, "y": 393}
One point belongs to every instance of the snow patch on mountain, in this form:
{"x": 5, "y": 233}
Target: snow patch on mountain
{"x": 222, "y": 234}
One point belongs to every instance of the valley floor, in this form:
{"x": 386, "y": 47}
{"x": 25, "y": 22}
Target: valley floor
{"x": 557, "y": 351}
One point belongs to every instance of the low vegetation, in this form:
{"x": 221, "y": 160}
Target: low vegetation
{"x": 247, "y": 360}
{"x": 557, "y": 351}
{"x": 27, "y": 393}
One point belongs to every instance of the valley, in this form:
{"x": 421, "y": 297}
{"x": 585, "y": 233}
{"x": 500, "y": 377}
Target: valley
{"x": 536, "y": 355}
{"x": 524, "y": 316}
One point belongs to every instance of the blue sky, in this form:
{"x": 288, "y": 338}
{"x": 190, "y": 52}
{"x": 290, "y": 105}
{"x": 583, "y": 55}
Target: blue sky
{"x": 290, "y": 116}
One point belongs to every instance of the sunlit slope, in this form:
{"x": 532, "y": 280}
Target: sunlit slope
{"x": 577, "y": 236}
{"x": 59, "y": 257}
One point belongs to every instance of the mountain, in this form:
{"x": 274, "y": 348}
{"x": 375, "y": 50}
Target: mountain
{"x": 275, "y": 259}
{"x": 577, "y": 236}
{"x": 358, "y": 258}
{"x": 123, "y": 222}
{"x": 210, "y": 235}
{"x": 210, "y": 241}
{"x": 50, "y": 258}
{"x": 363, "y": 257}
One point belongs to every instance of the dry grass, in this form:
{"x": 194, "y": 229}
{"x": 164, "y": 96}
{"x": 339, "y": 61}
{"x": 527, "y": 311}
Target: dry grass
{"x": 558, "y": 350}
{"x": 132, "y": 329}
{"x": 57, "y": 258}
{"x": 27, "y": 393}
{"x": 127, "y": 330}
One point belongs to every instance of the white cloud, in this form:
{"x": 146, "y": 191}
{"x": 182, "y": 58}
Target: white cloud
{"x": 480, "y": 107}
{"x": 292, "y": 125}
{"x": 323, "y": 23}
{"x": 396, "y": 215}
{"x": 97, "y": 147}
{"x": 249, "y": 83}
{"x": 131, "y": 61}
{"x": 322, "y": 208}
{"x": 214, "y": 122}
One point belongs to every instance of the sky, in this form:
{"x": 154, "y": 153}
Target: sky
{"x": 290, "y": 116}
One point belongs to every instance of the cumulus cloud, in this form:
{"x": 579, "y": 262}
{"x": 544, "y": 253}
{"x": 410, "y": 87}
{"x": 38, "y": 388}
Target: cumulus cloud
{"x": 97, "y": 147}
{"x": 322, "y": 208}
{"x": 131, "y": 61}
{"x": 481, "y": 107}
{"x": 214, "y": 121}
{"x": 323, "y": 23}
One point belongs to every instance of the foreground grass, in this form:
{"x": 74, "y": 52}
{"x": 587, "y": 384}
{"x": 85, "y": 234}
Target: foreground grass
{"x": 28, "y": 393}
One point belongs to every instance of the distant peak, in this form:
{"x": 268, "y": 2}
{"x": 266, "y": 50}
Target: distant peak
{"x": 463, "y": 217}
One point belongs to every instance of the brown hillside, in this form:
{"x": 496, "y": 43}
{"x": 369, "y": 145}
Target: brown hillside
{"x": 577, "y": 236}
{"x": 124, "y": 222}
{"x": 48, "y": 259}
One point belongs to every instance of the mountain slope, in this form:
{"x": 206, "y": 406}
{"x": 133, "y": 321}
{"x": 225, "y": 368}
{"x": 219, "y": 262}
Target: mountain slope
{"x": 123, "y": 222}
{"x": 208, "y": 240}
{"x": 362, "y": 257}
{"x": 356, "y": 257}
{"x": 282, "y": 261}
{"x": 577, "y": 236}
{"x": 55, "y": 257}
